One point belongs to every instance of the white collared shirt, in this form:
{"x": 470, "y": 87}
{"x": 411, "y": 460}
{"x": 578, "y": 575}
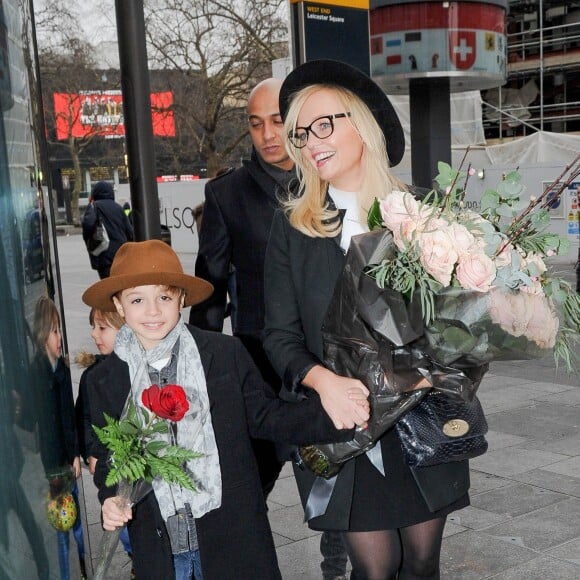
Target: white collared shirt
{"x": 351, "y": 224}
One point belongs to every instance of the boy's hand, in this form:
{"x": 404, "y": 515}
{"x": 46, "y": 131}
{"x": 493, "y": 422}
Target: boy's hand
{"x": 116, "y": 513}
{"x": 76, "y": 467}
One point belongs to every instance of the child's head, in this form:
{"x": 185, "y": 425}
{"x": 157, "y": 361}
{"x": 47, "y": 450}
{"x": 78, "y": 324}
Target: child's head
{"x": 151, "y": 311}
{"x": 148, "y": 287}
{"x": 105, "y": 326}
{"x": 47, "y": 336}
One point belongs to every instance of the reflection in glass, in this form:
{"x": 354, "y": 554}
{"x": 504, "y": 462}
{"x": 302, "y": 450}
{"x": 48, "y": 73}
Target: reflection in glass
{"x": 35, "y": 390}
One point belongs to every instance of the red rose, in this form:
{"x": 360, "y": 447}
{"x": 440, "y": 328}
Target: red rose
{"x": 169, "y": 402}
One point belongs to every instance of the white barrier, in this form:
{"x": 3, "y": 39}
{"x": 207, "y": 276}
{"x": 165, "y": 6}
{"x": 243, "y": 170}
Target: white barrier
{"x": 177, "y": 202}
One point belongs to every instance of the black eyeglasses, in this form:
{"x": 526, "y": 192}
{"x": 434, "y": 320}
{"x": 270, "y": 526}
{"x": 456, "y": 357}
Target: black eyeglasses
{"x": 323, "y": 127}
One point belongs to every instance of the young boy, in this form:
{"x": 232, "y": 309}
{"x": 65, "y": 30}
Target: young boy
{"x": 222, "y": 531}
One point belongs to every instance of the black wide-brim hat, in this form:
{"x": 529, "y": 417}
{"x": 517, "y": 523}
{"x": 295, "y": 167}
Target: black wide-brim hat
{"x": 334, "y": 72}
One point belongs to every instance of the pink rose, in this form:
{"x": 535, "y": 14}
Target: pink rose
{"x": 476, "y": 271}
{"x": 510, "y": 311}
{"x": 524, "y": 314}
{"x": 437, "y": 255}
{"x": 398, "y": 207}
{"x": 462, "y": 238}
{"x": 543, "y": 323}
{"x": 423, "y": 221}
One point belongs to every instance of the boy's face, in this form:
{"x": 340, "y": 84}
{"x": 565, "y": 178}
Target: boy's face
{"x": 104, "y": 335}
{"x": 150, "y": 311}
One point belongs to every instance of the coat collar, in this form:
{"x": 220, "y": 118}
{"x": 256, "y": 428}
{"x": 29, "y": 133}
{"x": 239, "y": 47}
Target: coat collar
{"x": 265, "y": 182}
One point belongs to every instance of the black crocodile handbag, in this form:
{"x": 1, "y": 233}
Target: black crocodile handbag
{"x": 441, "y": 429}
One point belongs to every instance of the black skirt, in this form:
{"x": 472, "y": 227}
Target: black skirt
{"x": 393, "y": 500}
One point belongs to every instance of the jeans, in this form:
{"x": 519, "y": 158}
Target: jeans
{"x": 187, "y": 566}
{"x": 334, "y": 555}
{"x": 63, "y": 541}
{"x": 124, "y": 537}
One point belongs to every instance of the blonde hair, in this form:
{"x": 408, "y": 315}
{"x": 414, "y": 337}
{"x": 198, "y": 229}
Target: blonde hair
{"x": 45, "y": 317}
{"x": 113, "y": 319}
{"x": 309, "y": 212}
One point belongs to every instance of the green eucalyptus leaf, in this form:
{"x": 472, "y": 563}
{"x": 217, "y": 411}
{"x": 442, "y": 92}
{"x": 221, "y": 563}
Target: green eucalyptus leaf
{"x": 505, "y": 210}
{"x": 490, "y": 199}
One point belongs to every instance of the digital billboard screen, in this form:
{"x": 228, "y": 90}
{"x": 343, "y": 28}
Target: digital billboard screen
{"x": 101, "y": 113}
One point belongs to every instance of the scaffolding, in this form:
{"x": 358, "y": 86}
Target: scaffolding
{"x": 542, "y": 91}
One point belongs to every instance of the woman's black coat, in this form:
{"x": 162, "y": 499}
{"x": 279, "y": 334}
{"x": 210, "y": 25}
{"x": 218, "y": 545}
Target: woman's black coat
{"x": 300, "y": 275}
{"x": 235, "y": 540}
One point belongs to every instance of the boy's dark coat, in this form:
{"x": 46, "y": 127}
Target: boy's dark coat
{"x": 235, "y": 540}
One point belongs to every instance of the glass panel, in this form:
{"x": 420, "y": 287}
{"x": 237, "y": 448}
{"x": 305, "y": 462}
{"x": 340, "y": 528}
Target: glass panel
{"x": 37, "y": 434}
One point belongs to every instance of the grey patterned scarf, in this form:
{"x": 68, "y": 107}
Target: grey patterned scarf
{"x": 194, "y": 431}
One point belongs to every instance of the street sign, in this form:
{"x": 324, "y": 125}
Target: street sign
{"x": 337, "y": 29}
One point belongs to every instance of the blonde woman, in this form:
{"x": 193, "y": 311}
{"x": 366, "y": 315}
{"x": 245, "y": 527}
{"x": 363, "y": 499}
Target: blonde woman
{"x": 344, "y": 137}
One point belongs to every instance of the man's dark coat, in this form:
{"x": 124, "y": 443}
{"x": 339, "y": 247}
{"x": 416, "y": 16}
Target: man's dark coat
{"x": 235, "y": 540}
{"x": 237, "y": 215}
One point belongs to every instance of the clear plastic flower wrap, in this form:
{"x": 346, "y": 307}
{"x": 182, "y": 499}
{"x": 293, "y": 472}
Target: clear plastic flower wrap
{"x": 475, "y": 328}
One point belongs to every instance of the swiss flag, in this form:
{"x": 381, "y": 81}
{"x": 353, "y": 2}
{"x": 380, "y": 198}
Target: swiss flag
{"x": 462, "y": 48}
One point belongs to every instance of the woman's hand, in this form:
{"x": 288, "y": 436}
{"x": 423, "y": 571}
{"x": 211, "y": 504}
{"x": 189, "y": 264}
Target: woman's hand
{"x": 92, "y": 464}
{"x": 116, "y": 513}
{"x": 345, "y": 400}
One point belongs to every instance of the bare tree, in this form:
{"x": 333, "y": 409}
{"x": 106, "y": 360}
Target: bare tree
{"x": 218, "y": 49}
{"x": 67, "y": 69}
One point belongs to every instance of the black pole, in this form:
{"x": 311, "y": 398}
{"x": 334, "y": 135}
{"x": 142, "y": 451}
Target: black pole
{"x": 430, "y": 107}
{"x": 137, "y": 114}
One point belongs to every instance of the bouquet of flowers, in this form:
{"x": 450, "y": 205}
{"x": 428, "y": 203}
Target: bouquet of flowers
{"x": 140, "y": 451}
{"x": 481, "y": 278}
{"x": 436, "y": 291}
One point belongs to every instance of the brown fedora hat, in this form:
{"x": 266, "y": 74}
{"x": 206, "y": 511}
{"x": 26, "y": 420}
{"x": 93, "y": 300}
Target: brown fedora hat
{"x": 152, "y": 262}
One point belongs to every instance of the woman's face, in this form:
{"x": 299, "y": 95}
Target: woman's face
{"x": 338, "y": 159}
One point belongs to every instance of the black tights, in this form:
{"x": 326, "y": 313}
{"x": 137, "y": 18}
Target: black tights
{"x": 410, "y": 553}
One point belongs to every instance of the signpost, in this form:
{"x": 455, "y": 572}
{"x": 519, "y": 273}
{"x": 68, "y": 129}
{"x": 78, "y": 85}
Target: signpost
{"x": 335, "y": 29}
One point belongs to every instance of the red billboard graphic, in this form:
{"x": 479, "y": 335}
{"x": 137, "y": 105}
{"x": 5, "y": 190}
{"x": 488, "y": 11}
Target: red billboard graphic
{"x": 462, "y": 48}
{"x": 101, "y": 113}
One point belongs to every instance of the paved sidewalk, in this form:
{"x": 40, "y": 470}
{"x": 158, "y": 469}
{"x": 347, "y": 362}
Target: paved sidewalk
{"x": 524, "y": 518}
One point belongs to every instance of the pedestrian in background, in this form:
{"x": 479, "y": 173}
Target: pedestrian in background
{"x": 237, "y": 214}
{"x": 102, "y": 206}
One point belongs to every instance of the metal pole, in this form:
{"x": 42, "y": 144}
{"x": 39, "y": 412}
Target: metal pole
{"x": 137, "y": 115}
{"x": 541, "y": 26}
{"x": 430, "y": 108}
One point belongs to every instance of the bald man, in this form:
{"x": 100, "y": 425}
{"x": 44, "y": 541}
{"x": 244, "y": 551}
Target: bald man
{"x": 237, "y": 215}
{"x": 238, "y": 211}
